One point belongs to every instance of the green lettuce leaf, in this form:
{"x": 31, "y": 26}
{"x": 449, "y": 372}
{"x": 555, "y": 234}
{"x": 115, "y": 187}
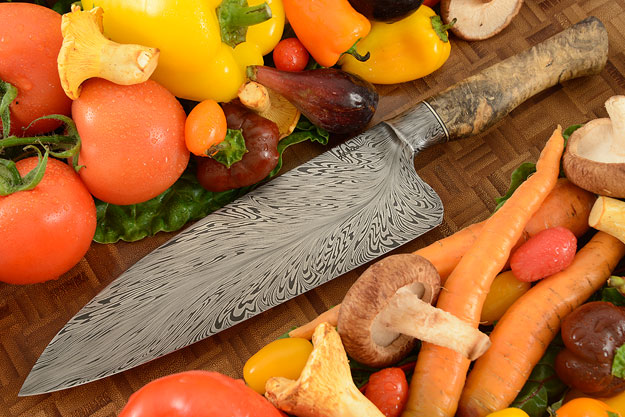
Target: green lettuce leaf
{"x": 618, "y": 365}
{"x": 183, "y": 202}
{"x": 612, "y": 295}
{"x": 526, "y": 169}
{"x": 517, "y": 178}
{"x": 543, "y": 387}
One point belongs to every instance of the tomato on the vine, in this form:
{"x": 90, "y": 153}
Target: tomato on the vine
{"x": 30, "y": 42}
{"x": 290, "y": 55}
{"x": 133, "y": 145}
{"x": 47, "y": 230}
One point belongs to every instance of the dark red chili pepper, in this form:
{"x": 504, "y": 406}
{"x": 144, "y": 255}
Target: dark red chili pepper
{"x": 261, "y": 140}
{"x": 592, "y": 333}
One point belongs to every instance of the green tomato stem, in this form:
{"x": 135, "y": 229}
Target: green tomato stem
{"x": 8, "y": 93}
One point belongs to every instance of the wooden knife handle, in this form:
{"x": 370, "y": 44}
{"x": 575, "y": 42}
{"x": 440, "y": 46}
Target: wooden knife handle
{"x": 477, "y": 103}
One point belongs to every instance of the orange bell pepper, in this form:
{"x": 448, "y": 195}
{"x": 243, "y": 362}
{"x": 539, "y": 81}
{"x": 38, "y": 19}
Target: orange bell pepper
{"x": 327, "y": 28}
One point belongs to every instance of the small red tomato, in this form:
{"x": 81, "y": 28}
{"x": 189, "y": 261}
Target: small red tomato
{"x": 290, "y": 55}
{"x": 47, "y": 230}
{"x": 544, "y": 254}
{"x": 388, "y": 390}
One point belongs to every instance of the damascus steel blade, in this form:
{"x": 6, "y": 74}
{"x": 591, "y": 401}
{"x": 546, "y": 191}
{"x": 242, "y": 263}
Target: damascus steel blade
{"x": 322, "y": 219}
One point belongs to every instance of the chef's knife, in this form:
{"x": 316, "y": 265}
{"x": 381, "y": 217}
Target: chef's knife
{"x": 334, "y": 213}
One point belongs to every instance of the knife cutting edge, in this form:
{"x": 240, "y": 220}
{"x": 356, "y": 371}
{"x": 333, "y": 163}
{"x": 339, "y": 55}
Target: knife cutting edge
{"x": 342, "y": 209}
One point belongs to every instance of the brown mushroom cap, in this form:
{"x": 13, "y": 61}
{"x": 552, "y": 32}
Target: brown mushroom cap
{"x": 594, "y": 158}
{"x": 479, "y": 19}
{"x": 369, "y": 296}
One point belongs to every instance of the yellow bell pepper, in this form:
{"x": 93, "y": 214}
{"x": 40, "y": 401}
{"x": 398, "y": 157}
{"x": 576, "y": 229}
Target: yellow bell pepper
{"x": 617, "y": 402}
{"x": 402, "y": 51}
{"x": 195, "y": 63}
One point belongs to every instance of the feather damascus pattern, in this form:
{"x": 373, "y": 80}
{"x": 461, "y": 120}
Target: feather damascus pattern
{"x": 340, "y": 210}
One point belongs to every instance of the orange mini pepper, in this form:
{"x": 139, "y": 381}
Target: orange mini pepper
{"x": 327, "y": 28}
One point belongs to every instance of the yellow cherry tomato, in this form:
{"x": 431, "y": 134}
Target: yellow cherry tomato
{"x": 504, "y": 291}
{"x": 509, "y": 412}
{"x": 586, "y": 407}
{"x": 282, "y": 357}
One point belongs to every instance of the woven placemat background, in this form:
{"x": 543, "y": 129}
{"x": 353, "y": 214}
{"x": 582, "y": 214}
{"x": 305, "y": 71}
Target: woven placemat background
{"x": 467, "y": 175}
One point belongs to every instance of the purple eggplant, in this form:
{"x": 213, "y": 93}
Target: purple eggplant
{"x": 332, "y": 99}
{"x": 385, "y": 10}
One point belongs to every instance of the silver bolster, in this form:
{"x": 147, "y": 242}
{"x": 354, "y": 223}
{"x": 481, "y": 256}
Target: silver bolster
{"x": 419, "y": 127}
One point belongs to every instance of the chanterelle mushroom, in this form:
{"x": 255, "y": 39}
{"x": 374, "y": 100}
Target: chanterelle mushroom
{"x": 86, "y": 53}
{"x": 594, "y": 158}
{"x": 389, "y": 307}
{"x": 270, "y": 105}
{"x": 479, "y": 19}
{"x": 325, "y": 387}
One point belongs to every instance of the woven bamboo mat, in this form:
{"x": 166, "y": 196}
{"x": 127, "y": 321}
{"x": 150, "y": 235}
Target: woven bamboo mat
{"x": 467, "y": 175}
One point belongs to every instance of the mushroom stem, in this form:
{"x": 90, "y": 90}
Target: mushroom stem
{"x": 87, "y": 53}
{"x": 325, "y": 387}
{"x": 615, "y": 106}
{"x": 305, "y": 331}
{"x": 270, "y": 105}
{"x": 608, "y": 215}
{"x": 407, "y": 314}
{"x": 254, "y": 96}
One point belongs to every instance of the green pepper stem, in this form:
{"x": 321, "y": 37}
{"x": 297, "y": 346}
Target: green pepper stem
{"x": 248, "y": 16}
{"x": 354, "y": 52}
{"x": 235, "y": 16}
{"x": 441, "y": 29}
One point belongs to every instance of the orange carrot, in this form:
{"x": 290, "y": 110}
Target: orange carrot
{"x": 567, "y": 205}
{"x": 522, "y": 335}
{"x": 445, "y": 254}
{"x": 440, "y": 373}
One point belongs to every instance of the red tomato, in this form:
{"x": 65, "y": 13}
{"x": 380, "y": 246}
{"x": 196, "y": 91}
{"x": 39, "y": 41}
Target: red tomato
{"x": 30, "y": 40}
{"x": 290, "y": 55}
{"x": 431, "y": 3}
{"x": 133, "y": 145}
{"x": 198, "y": 394}
{"x": 47, "y": 230}
{"x": 388, "y": 390}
